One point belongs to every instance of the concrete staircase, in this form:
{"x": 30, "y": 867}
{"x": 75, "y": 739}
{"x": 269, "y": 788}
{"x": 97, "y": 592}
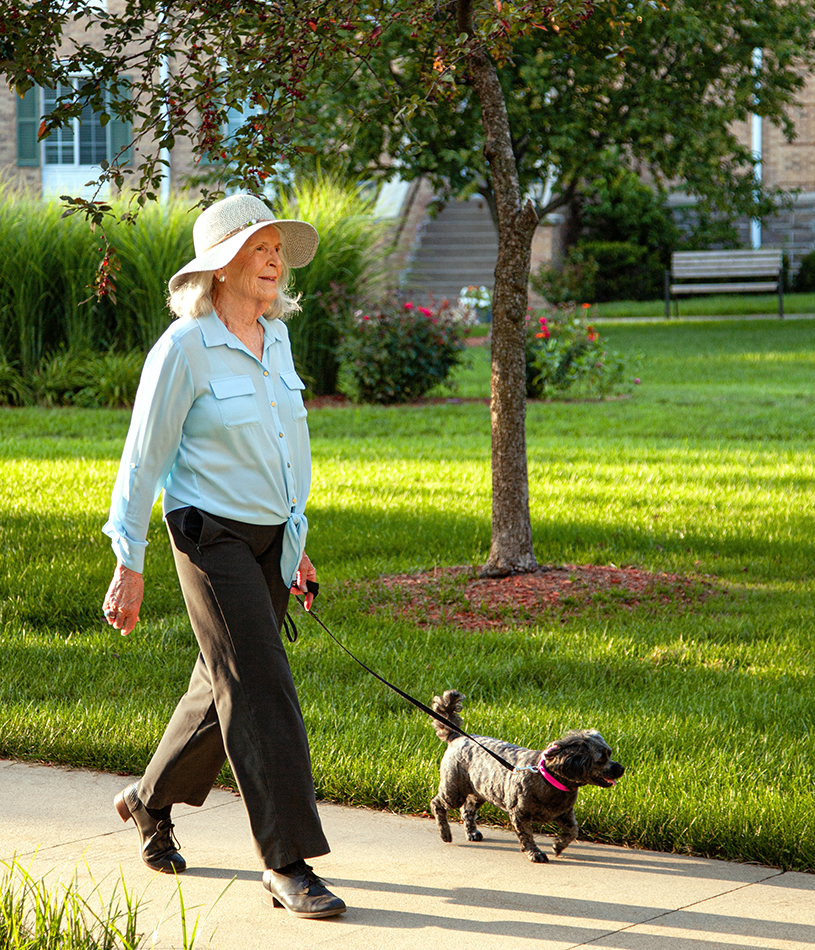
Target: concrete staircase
{"x": 457, "y": 248}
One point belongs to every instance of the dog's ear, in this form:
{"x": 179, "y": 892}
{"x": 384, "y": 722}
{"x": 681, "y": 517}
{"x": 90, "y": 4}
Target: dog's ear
{"x": 577, "y": 765}
{"x": 576, "y": 759}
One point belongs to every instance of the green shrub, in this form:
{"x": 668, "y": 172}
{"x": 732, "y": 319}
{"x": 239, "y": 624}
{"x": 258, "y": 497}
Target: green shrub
{"x": 625, "y": 271}
{"x": 114, "y": 380}
{"x": 13, "y": 388}
{"x": 60, "y": 378}
{"x": 804, "y": 281}
{"x": 565, "y": 354}
{"x": 399, "y": 353}
{"x": 625, "y": 236}
{"x": 573, "y": 282}
{"x": 619, "y": 207}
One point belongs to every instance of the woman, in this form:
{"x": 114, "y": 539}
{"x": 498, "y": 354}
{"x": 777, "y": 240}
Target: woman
{"x": 219, "y": 424}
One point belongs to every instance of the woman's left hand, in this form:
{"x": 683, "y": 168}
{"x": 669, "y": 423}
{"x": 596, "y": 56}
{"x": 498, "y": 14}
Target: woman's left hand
{"x": 306, "y": 572}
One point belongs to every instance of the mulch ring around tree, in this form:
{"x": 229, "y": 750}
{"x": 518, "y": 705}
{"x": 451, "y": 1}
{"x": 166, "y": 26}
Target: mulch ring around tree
{"x": 456, "y": 596}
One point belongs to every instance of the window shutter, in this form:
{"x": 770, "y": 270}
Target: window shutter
{"x": 28, "y": 125}
{"x": 120, "y": 132}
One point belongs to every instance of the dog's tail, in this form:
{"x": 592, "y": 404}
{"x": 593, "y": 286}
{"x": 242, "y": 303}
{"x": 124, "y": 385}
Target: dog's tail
{"x": 449, "y": 706}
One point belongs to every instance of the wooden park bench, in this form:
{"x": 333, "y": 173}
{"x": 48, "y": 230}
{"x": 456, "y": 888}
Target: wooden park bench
{"x": 734, "y": 272}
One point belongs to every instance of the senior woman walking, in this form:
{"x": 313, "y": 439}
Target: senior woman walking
{"x": 219, "y": 425}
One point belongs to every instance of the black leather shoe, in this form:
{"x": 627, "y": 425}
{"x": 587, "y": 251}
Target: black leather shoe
{"x": 301, "y": 892}
{"x": 159, "y": 849}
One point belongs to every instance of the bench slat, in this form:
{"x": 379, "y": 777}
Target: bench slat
{"x": 723, "y": 270}
{"x": 723, "y": 288}
{"x": 724, "y": 255}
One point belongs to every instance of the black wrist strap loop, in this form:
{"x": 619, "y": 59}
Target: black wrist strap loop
{"x": 289, "y": 628}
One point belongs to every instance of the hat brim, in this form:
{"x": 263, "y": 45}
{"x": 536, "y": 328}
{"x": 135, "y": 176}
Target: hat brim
{"x": 299, "y": 241}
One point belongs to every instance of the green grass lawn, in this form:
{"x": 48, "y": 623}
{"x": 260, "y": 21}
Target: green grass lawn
{"x": 706, "y": 469}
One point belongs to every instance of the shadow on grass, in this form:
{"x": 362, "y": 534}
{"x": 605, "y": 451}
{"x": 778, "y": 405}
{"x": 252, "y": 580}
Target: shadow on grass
{"x": 56, "y": 569}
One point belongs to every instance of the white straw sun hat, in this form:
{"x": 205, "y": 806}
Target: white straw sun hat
{"x": 221, "y": 230}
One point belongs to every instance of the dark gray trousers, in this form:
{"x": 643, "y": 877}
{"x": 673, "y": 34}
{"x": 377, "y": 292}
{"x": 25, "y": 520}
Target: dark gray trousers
{"x": 241, "y": 703}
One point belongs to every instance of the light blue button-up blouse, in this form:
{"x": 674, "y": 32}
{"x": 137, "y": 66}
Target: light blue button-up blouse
{"x": 219, "y": 430}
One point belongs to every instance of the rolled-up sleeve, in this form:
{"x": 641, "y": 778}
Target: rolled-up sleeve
{"x": 165, "y": 394}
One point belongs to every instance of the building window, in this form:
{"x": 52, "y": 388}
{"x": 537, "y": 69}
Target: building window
{"x": 82, "y": 142}
{"x": 70, "y": 157}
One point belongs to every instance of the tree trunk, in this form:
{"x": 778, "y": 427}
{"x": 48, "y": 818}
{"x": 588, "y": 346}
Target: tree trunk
{"x": 511, "y": 549}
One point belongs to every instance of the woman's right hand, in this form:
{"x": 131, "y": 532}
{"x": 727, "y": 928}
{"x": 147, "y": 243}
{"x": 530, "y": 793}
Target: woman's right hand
{"x": 123, "y": 599}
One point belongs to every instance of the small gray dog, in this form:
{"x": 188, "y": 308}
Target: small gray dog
{"x": 545, "y": 792}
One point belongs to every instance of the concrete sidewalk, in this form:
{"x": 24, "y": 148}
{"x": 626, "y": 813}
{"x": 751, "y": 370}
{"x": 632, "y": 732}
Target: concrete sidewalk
{"x": 404, "y": 887}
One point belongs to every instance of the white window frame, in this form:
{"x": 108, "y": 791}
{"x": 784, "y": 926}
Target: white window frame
{"x": 59, "y": 178}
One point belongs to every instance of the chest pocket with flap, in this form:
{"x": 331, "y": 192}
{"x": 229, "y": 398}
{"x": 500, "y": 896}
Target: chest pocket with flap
{"x": 237, "y": 404}
{"x": 295, "y": 386}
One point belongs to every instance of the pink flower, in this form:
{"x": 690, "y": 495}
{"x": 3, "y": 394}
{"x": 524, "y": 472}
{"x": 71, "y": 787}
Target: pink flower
{"x": 425, "y": 311}
{"x": 365, "y": 316}
{"x": 542, "y": 321}
{"x": 408, "y": 306}
{"x": 637, "y": 380}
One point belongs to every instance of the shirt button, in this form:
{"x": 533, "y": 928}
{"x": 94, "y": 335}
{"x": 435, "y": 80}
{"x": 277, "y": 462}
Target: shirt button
{"x": 272, "y": 404}
{"x": 280, "y": 434}
{"x": 294, "y": 501}
{"x": 265, "y": 373}
{"x": 288, "y": 464}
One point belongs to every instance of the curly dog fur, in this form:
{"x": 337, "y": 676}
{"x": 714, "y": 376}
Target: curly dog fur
{"x": 469, "y": 777}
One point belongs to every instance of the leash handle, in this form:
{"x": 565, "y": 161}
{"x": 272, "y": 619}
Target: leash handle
{"x": 289, "y": 626}
{"x": 416, "y": 702}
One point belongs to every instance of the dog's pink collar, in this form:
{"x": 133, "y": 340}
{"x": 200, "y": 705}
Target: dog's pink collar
{"x": 550, "y": 778}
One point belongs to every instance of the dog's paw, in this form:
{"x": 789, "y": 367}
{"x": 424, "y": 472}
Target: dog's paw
{"x": 475, "y": 836}
{"x": 446, "y": 835}
{"x": 537, "y": 857}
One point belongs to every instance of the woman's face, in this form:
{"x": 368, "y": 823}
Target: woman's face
{"x": 251, "y": 276}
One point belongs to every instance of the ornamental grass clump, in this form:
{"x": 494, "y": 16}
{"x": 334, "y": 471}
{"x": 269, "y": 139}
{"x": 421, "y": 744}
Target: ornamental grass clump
{"x": 343, "y": 274}
{"x": 565, "y": 354}
{"x": 399, "y": 353}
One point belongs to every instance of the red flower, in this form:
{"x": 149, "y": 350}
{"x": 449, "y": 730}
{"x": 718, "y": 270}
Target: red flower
{"x": 408, "y": 306}
{"x": 425, "y": 311}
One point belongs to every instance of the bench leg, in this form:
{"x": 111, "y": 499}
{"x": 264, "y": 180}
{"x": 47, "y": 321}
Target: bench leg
{"x": 780, "y": 298}
{"x": 667, "y": 295}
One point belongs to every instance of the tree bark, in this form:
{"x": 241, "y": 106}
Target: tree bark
{"x": 511, "y": 549}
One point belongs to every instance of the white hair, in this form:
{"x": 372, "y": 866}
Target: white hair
{"x": 193, "y": 298}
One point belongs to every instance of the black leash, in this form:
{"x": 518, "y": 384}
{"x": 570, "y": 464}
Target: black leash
{"x": 291, "y": 633}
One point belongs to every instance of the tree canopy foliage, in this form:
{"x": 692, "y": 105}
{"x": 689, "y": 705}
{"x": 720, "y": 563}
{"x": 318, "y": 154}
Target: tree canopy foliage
{"x": 665, "y": 99}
